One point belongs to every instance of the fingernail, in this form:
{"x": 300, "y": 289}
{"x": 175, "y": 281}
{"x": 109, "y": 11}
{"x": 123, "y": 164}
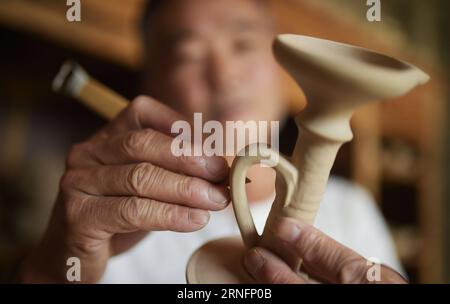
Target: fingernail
{"x": 287, "y": 230}
{"x": 253, "y": 261}
{"x": 198, "y": 217}
{"x": 219, "y": 196}
{"x": 217, "y": 167}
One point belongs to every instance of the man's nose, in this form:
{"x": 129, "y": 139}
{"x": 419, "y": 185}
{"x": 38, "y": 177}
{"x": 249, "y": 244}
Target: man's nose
{"x": 223, "y": 72}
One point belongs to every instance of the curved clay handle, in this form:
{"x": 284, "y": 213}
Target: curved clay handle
{"x": 238, "y": 193}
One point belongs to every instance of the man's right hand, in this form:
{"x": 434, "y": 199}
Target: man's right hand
{"x": 119, "y": 185}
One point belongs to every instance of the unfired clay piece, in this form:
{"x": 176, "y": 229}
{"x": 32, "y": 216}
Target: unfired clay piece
{"x": 336, "y": 79}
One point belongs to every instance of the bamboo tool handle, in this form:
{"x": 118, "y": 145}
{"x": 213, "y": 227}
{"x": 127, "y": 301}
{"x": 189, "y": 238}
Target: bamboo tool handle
{"x": 101, "y": 99}
{"x": 73, "y": 80}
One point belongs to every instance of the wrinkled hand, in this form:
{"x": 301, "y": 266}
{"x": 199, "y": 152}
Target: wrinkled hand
{"x": 119, "y": 185}
{"x": 324, "y": 259}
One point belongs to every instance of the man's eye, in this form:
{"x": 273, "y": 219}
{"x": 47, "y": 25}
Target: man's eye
{"x": 188, "y": 58}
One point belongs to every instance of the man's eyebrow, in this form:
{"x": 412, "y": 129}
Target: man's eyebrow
{"x": 246, "y": 25}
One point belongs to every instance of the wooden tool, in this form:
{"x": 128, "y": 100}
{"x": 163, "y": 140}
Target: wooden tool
{"x": 336, "y": 79}
{"x": 73, "y": 80}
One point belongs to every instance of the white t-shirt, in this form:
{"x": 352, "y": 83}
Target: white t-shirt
{"x": 347, "y": 214}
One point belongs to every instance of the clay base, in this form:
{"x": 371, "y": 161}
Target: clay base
{"x": 218, "y": 262}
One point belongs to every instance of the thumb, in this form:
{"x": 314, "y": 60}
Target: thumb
{"x": 323, "y": 257}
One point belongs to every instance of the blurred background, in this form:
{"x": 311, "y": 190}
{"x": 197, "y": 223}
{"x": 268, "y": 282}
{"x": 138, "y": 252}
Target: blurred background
{"x": 400, "y": 152}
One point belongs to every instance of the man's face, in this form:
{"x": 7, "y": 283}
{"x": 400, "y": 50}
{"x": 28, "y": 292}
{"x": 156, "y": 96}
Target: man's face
{"x": 215, "y": 57}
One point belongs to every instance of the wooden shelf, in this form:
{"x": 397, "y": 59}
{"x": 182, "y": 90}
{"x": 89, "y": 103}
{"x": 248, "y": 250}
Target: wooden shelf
{"x": 110, "y": 37}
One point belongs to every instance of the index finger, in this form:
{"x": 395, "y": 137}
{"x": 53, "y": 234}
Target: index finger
{"x": 150, "y": 146}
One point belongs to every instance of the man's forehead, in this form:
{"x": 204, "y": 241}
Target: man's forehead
{"x": 220, "y": 17}
{"x": 235, "y": 26}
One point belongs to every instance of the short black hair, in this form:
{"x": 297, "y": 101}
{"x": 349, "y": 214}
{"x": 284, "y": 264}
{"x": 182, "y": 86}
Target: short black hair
{"x": 150, "y": 10}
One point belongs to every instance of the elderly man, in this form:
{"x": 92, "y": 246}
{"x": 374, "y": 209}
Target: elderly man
{"x": 125, "y": 198}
